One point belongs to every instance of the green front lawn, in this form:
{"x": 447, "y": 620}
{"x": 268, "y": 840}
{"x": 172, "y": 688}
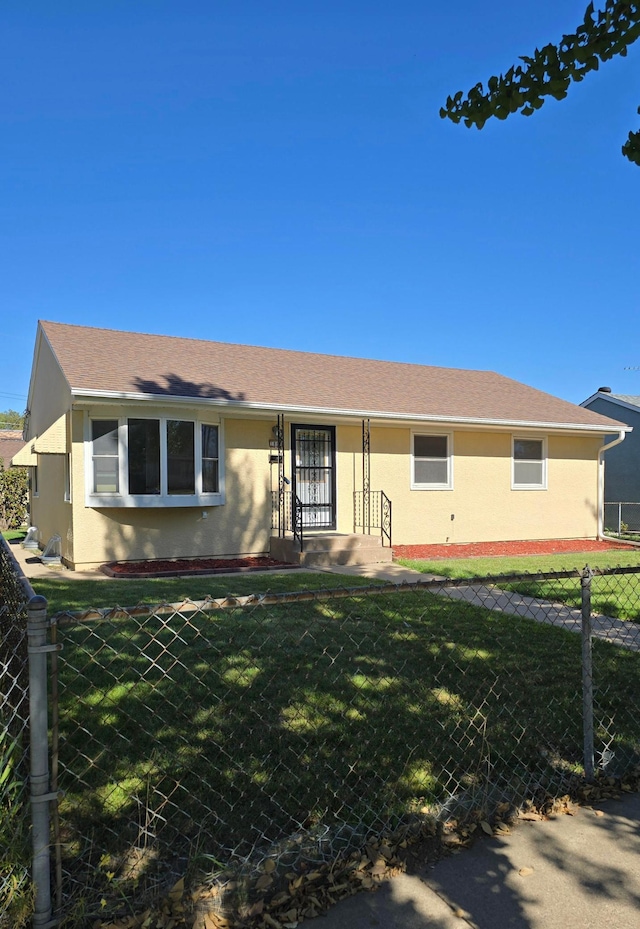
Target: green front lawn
{"x": 67, "y": 593}
{"x": 195, "y": 735}
{"x": 525, "y": 564}
{"x": 615, "y": 595}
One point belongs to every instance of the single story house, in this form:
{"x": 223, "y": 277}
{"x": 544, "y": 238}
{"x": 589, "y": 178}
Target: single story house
{"x": 155, "y": 447}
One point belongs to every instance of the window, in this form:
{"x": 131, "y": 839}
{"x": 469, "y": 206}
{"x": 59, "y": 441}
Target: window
{"x": 431, "y": 463}
{"x": 67, "y": 478}
{"x": 181, "y": 450}
{"x": 104, "y": 442}
{"x": 34, "y": 481}
{"x": 153, "y": 462}
{"x": 529, "y": 471}
{"x": 144, "y": 456}
{"x": 210, "y": 459}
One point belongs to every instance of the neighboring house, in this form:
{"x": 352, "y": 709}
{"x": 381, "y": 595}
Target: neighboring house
{"x": 11, "y": 442}
{"x": 622, "y": 474}
{"x": 157, "y": 447}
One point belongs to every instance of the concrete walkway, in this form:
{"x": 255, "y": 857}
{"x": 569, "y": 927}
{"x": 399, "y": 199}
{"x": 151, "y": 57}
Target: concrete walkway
{"x": 568, "y": 872}
{"x": 617, "y": 631}
{"x": 32, "y": 567}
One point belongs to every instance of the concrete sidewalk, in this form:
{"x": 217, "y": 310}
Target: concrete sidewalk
{"x": 617, "y": 631}
{"x": 33, "y": 568}
{"x": 568, "y": 872}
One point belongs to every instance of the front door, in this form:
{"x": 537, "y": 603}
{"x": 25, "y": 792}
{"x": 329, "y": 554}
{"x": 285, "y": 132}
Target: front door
{"x": 314, "y": 476}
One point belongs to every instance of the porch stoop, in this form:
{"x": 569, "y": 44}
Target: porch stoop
{"x": 328, "y": 548}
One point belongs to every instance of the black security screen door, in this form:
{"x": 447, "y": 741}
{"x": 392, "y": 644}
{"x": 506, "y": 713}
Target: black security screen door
{"x": 314, "y": 478}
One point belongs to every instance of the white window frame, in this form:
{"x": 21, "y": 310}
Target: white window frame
{"x": 446, "y": 485}
{"x": 164, "y": 499}
{"x": 543, "y": 461}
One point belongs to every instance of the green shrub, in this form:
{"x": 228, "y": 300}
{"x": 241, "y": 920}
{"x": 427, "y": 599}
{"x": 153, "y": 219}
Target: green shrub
{"x": 14, "y": 494}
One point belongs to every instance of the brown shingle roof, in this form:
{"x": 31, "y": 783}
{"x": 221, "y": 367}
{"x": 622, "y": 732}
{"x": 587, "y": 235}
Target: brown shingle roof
{"x": 110, "y": 361}
{"x": 11, "y": 442}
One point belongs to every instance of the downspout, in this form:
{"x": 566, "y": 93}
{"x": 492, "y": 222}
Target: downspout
{"x": 601, "y": 451}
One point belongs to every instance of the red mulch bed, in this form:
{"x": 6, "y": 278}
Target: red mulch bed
{"x": 180, "y": 566}
{"x": 483, "y": 549}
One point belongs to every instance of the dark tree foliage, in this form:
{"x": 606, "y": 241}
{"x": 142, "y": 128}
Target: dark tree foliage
{"x": 550, "y": 71}
{"x": 11, "y": 419}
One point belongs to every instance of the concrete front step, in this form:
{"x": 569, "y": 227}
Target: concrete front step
{"x": 329, "y": 548}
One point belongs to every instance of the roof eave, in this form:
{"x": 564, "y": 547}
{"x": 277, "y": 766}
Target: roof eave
{"x": 245, "y": 405}
{"x": 611, "y": 398}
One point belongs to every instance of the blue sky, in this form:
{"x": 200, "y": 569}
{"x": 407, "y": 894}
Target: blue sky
{"x": 277, "y": 173}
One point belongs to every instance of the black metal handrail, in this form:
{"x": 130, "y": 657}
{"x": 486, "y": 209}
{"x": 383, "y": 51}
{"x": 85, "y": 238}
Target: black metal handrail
{"x": 297, "y": 527}
{"x": 286, "y": 515}
{"x": 385, "y": 520}
{"x": 377, "y": 515}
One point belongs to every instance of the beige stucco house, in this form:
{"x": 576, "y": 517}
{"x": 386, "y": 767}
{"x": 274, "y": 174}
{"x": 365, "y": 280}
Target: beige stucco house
{"x": 147, "y": 446}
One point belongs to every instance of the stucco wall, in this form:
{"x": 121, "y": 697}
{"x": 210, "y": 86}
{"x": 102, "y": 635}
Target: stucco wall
{"x": 50, "y": 513}
{"x": 482, "y": 503}
{"x": 50, "y": 398}
{"x": 50, "y": 394}
{"x": 482, "y": 506}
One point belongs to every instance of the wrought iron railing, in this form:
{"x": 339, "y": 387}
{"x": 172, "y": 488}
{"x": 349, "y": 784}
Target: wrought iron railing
{"x": 286, "y": 515}
{"x": 372, "y": 512}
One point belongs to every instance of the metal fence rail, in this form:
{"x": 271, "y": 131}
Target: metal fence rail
{"x": 24, "y": 751}
{"x": 622, "y": 519}
{"x": 210, "y": 736}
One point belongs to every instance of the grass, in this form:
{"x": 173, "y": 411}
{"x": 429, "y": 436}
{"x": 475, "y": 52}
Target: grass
{"x": 210, "y": 735}
{"x": 531, "y": 564}
{"x": 616, "y": 595}
{"x": 12, "y": 535}
{"x": 69, "y": 594}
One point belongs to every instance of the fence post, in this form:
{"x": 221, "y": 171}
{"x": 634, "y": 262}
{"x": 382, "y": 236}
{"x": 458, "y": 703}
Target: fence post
{"x": 587, "y": 674}
{"x": 39, "y": 758}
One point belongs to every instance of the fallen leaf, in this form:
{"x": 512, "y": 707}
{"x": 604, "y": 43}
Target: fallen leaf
{"x": 525, "y": 872}
{"x": 484, "y": 825}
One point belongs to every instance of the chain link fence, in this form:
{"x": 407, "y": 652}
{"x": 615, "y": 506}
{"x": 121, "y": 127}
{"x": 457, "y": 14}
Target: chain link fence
{"x": 206, "y": 738}
{"x": 622, "y": 519}
{"x": 15, "y": 882}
